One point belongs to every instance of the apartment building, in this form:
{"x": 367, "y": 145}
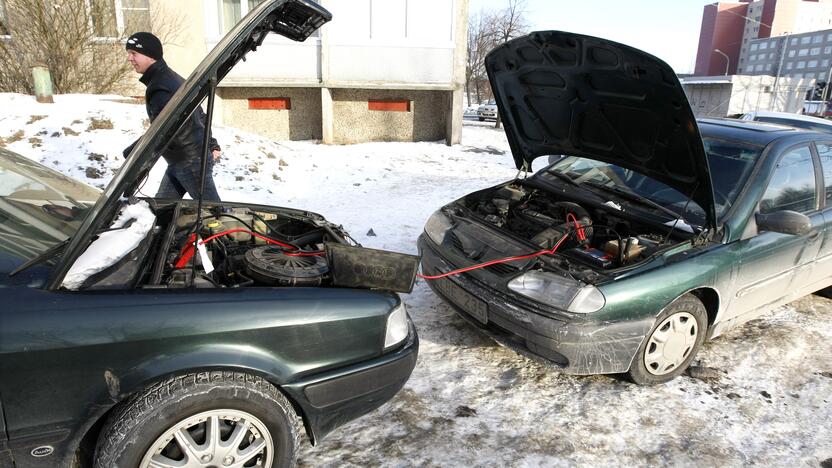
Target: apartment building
{"x": 729, "y": 28}
{"x": 807, "y": 55}
{"x": 381, "y": 70}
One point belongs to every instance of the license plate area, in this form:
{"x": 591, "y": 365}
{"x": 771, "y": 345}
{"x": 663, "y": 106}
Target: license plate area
{"x": 474, "y": 306}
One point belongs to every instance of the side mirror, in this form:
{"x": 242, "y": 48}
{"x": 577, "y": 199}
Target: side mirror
{"x": 784, "y": 222}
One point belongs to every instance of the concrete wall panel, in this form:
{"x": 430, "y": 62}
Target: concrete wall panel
{"x": 301, "y": 122}
{"x": 354, "y": 123}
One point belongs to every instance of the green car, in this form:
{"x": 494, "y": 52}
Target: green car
{"x": 651, "y": 234}
{"x": 121, "y": 345}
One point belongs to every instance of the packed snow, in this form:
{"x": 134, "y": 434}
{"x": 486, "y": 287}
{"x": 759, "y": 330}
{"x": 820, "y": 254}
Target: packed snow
{"x": 759, "y": 394}
{"x": 130, "y": 227}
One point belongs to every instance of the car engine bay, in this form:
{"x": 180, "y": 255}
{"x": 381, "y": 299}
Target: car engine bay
{"x": 240, "y": 246}
{"x": 602, "y": 237}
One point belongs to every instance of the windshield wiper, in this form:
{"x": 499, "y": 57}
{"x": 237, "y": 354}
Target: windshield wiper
{"x": 633, "y": 196}
{"x": 48, "y": 254}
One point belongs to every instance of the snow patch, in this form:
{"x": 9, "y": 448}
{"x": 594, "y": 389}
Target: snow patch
{"x": 112, "y": 246}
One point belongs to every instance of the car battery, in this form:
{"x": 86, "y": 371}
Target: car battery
{"x": 593, "y": 257}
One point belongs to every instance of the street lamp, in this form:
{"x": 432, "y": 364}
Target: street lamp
{"x": 727, "y": 59}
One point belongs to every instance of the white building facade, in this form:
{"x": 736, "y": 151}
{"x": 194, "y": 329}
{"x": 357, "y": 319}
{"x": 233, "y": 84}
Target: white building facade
{"x": 381, "y": 70}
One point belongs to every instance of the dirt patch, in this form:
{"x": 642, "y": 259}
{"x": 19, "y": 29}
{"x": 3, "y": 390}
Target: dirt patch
{"x": 35, "y": 118}
{"x": 93, "y": 172}
{"x": 96, "y": 157}
{"x": 100, "y": 124}
{"x": 35, "y": 142}
{"x": 486, "y": 150}
{"x": 15, "y": 137}
{"x": 69, "y": 132}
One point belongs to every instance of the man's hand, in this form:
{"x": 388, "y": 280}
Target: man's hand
{"x": 217, "y": 154}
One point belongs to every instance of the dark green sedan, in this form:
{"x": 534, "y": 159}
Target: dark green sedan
{"x": 169, "y": 333}
{"x": 651, "y": 234}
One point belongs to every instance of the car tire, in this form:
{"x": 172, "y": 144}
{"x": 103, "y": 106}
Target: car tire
{"x": 156, "y": 419}
{"x": 672, "y": 342}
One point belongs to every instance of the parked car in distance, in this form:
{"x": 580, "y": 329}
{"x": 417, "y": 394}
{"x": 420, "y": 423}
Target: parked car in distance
{"x": 123, "y": 345}
{"x": 792, "y": 120}
{"x": 487, "y": 111}
{"x": 654, "y": 233}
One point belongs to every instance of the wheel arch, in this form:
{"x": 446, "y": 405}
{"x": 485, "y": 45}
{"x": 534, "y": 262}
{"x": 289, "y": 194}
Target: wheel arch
{"x": 711, "y": 300}
{"x": 159, "y": 368}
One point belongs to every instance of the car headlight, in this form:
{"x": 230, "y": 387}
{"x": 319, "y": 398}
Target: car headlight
{"x": 437, "y": 226}
{"x": 558, "y": 291}
{"x": 396, "y": 327}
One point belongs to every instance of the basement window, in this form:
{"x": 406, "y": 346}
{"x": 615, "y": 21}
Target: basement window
{"x": 389, "y": 105}
{"x": 282, "y": 103}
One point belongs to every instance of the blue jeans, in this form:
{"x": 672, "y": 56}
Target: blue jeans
{"x": 184, "y": 176}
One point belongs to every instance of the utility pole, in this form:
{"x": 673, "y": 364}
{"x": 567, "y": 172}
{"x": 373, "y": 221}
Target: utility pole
{"x": 783, "y": 51}
{"x": 826, "y": 92}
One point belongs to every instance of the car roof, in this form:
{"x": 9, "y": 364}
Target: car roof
{"x": 758, "y": 133}
{"x": 788, "y": 116}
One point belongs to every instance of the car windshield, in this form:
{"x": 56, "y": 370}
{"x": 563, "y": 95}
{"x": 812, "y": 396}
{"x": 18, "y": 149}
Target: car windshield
{"x": 39, "y": 207}
{"x": 730, "y": 164}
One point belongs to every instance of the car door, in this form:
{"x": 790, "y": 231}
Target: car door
{"x": 822, "y": 274}
{"x": 773, "y": 264}
{"x": 5, "y": 454}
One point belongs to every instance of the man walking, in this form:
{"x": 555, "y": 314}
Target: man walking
{"x": 184, "y": 152}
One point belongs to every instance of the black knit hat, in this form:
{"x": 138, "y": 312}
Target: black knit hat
{"x": 145, "y": 43}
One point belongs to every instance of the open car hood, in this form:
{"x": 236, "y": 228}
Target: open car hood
{"x": 294, "y": 19}
{"x": 570, "y": 94}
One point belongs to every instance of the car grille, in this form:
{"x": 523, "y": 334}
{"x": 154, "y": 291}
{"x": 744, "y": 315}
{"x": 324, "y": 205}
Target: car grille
{"x": 455, "y": 242}
{"x": 502, "y": 269}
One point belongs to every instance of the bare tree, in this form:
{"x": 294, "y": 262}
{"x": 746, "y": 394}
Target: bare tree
{"x": 480, "y": 42}
{"x": 510, "y": 22}
{"x": 506, "y": 25}
{"x": 79, "y": 41}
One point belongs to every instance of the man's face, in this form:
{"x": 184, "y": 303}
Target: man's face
{"x": 140, "y": 62}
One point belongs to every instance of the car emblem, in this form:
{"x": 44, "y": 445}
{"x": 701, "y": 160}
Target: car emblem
{"x": 42, "y": 451}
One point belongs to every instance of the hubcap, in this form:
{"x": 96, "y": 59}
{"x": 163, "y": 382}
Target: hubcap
{"x": 213, "y": 439}
{"x": 671, "y": 343}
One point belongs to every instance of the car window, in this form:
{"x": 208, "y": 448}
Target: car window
{"x": 38, "y": 206}
{"x": 730, "y": 163}
{"x": 825, "y": 153}
{"x": 792, "y": 185}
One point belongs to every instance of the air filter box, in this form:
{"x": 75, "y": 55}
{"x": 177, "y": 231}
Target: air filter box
{"x": 359, "y": 267}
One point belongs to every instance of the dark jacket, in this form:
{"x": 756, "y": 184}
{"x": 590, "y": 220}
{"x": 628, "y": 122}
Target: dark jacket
{"x": 186, "y": 145}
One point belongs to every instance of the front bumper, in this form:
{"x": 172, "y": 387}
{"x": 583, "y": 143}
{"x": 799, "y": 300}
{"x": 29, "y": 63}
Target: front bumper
{"x": 334, "y": 398}
{"x": 577, "y": 346}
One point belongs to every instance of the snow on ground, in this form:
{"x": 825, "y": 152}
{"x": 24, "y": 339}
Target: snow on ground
{"x": 471, "y": 402}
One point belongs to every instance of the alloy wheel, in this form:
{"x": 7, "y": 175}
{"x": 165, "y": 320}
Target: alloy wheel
{"x": 213, "y": 439}
{"x": 670, "y": 343}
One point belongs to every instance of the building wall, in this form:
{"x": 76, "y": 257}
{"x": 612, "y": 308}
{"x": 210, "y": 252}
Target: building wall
{"x": 807, "y": 55}
{"x": 353, "y": 122}
{"x": 722, "y": 28}
{"x": 184, "y": 44}
{"x": 738, "y": 94}
{"x": 301, "y": 122}
{"x": 755, "y": 25}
